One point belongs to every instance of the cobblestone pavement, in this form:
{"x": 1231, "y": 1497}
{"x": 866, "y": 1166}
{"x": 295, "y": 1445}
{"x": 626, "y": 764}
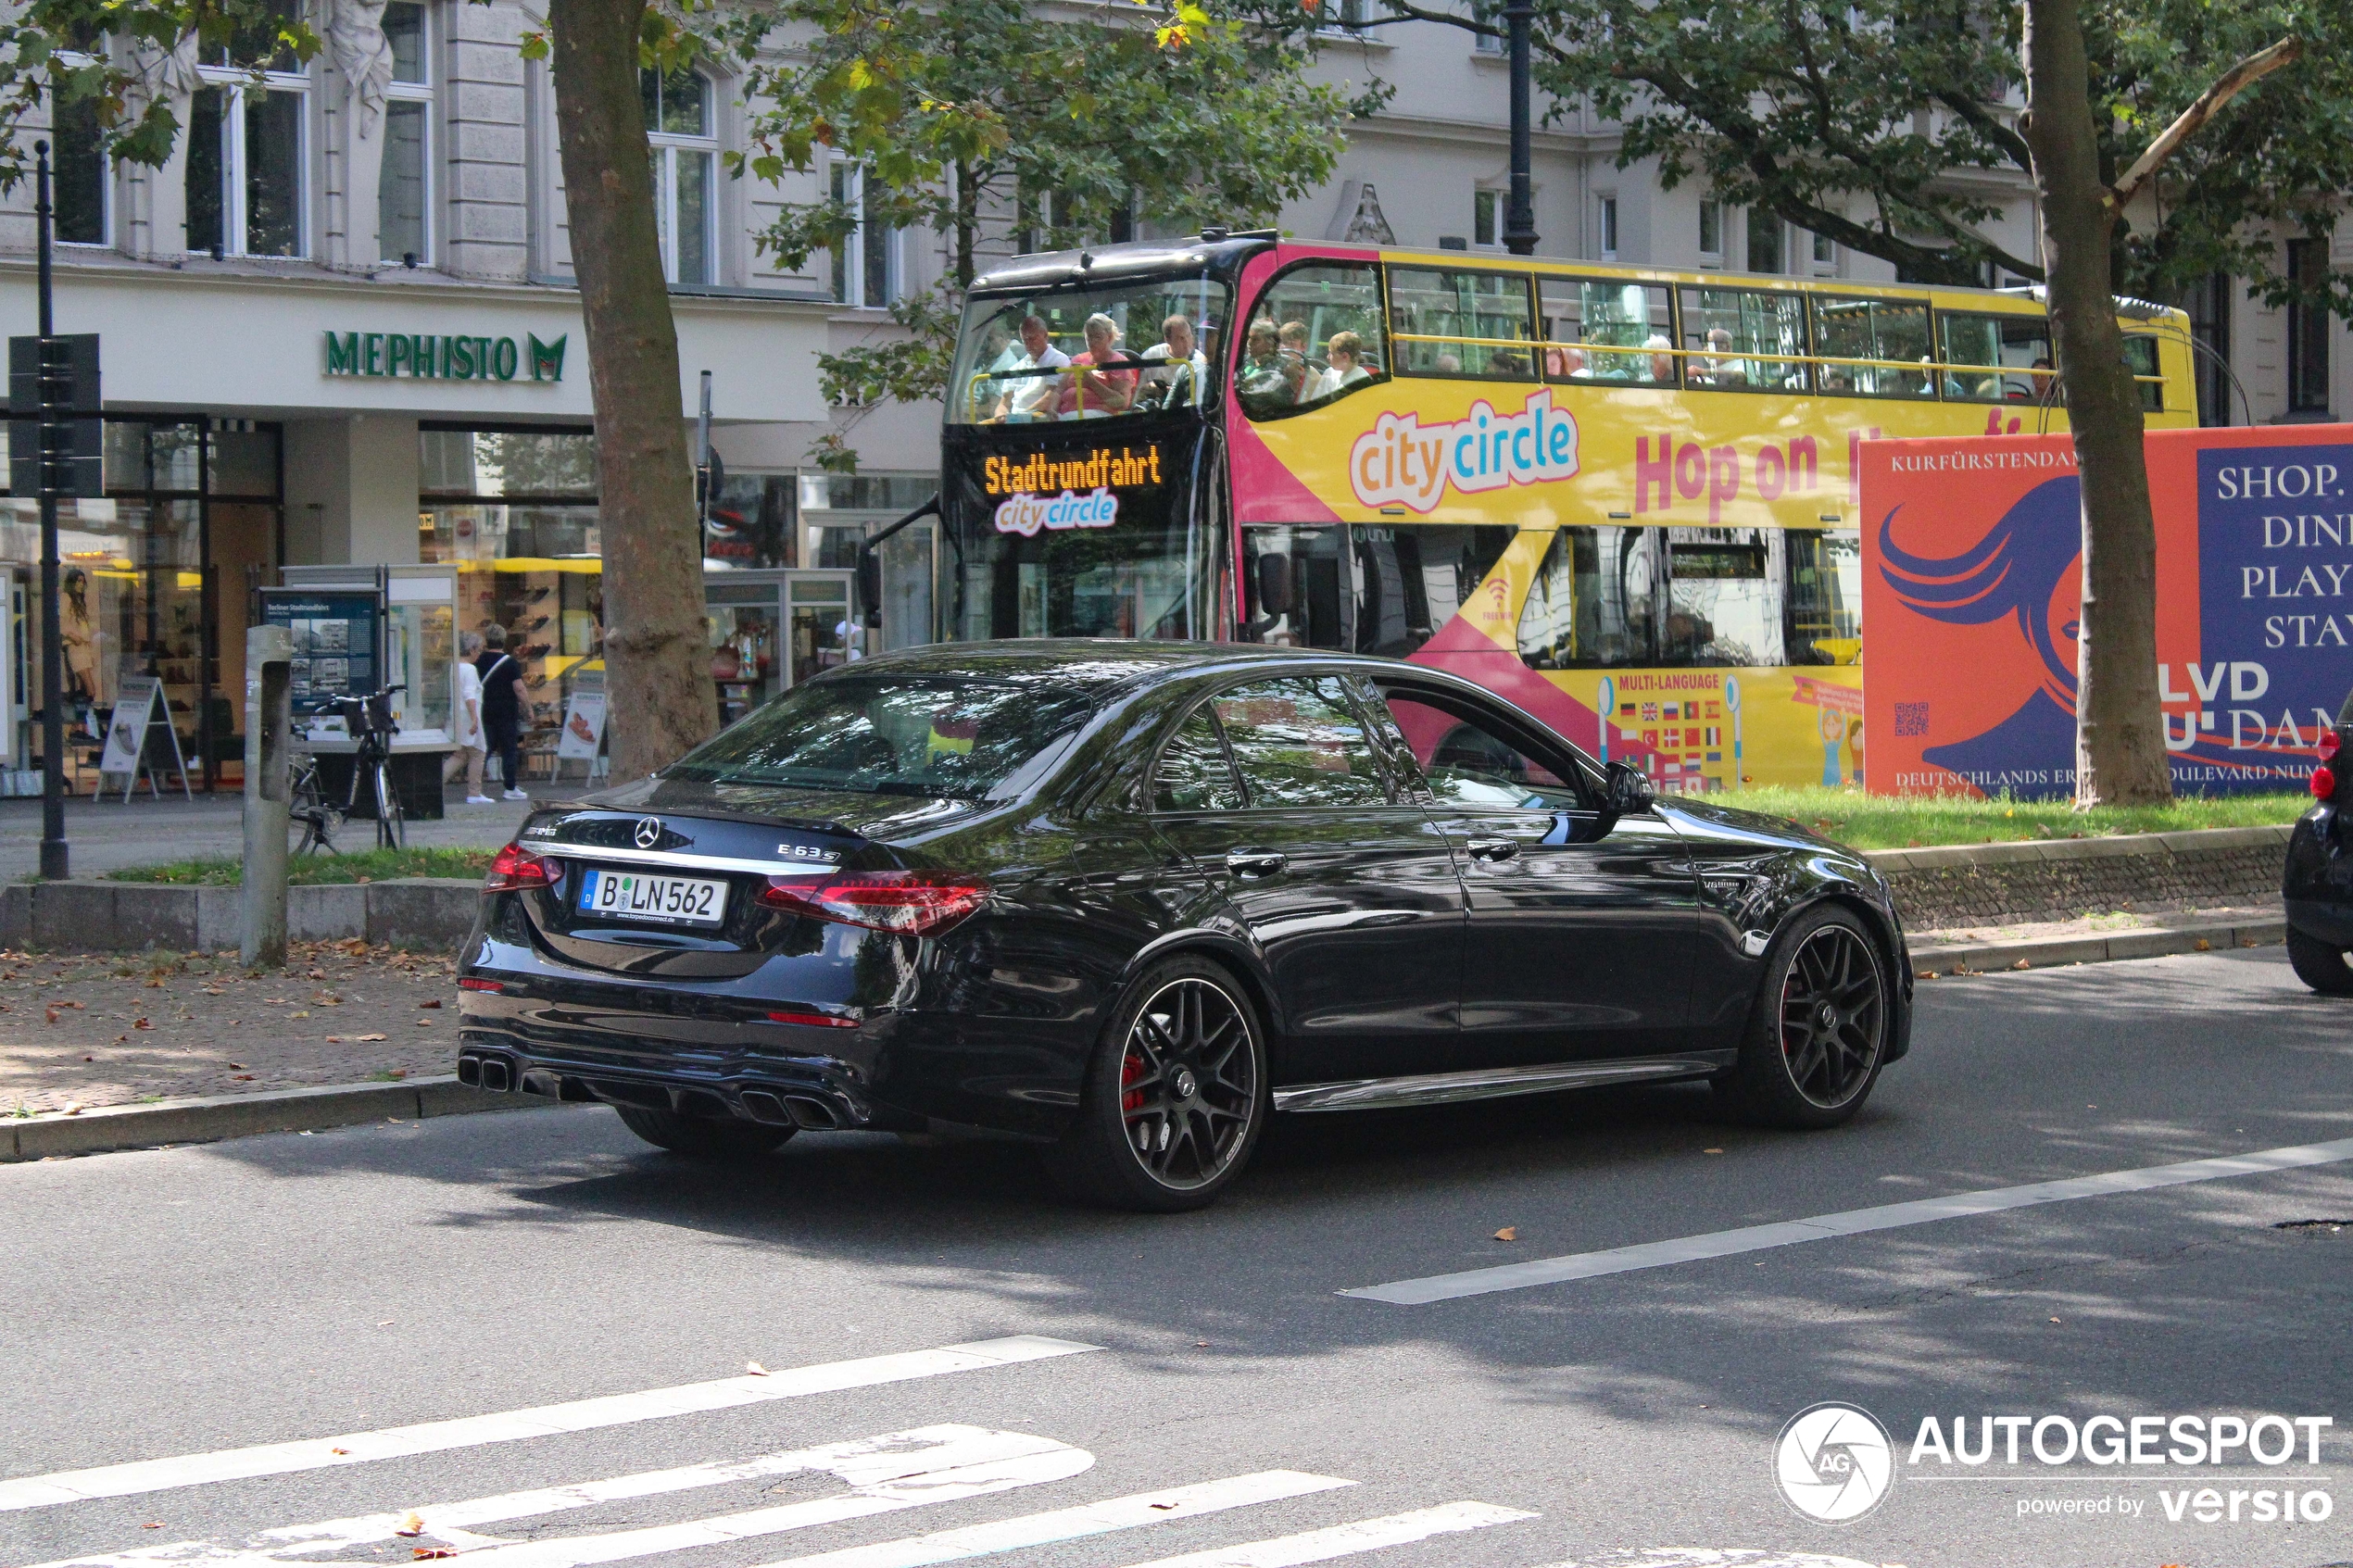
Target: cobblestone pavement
{"x": 118, "y": 1029}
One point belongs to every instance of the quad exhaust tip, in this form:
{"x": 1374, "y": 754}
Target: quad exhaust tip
{"x": 492, "y": 1073}
{"x": 804, "y": 1111}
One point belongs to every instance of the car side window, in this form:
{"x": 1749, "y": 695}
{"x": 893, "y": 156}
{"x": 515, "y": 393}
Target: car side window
{"x": 1195, "y": 773}
{"x": 1299, "y": 742}
{"x": 1476, "y": 765}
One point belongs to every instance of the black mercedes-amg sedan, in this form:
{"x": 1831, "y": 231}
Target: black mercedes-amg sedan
{"x": 1128, "y": 899}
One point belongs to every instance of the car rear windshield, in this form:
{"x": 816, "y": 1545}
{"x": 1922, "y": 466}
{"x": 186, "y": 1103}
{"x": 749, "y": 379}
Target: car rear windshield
{"x": 891, "y": 735}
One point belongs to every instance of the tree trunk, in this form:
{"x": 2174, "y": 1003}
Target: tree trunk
{"x": 657, "y": 671}
{"x": 967, "y": 225}
{"x": 2120, "y": 731}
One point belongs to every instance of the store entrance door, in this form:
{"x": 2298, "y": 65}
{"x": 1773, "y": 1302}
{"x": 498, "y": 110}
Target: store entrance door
{"x": 769, "y": 631}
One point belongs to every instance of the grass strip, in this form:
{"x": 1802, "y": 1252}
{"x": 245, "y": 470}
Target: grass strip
{"x": 374, "y": 865}
{"x": 1876, "y": 821}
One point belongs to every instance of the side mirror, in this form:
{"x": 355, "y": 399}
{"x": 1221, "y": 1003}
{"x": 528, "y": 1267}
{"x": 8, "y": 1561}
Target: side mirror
{"x": 1626, "y": 790}
{"x": 870, "y": 584}
{"x": 1274, "y": 585}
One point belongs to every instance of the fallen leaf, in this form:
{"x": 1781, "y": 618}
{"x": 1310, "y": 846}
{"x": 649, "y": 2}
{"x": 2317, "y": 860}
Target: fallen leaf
{"x": 1509, "y": 1233}
{"x": 317, "y": 974}
{"x": 304, "y": 1013}
{"x": 429, "y": 1002}
{"x": 152, "y": 1524}
{"x": 74, "y": 1110}
{"x": 364, "y": 1039}
{"x": 141, "y": 1024}
{"x": 2054, "y": 1320}
{"x": 237, "y": 1065}
{"x": 424, "y": 1023}
{"x": 1201, "y": 1344}
{"x": 2203, "y": 946}
{"x": 755, "y": 1368}
{"x": 2021, "y": 964}
{"x": 241, "y": 1078}
{"x": 418, "y": 1553}
{"x": 155, "y": 984}
{"x": 412, "y": 1523}
{"x": 338, "y": 1450}
{"x": 89, "y": 1059}
{"x": 1164, "y": 1505}
{"x": 1711, "y": 1151}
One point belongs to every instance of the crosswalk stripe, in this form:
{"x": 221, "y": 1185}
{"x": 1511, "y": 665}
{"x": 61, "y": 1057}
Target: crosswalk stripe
{"x": 1852, "y": 1222}
{"x": 1346, "y": 1540}
{"x": 577, "y": 1415}
{"x": 894, "y": 1471}
{"x": 1072, "y": 1523}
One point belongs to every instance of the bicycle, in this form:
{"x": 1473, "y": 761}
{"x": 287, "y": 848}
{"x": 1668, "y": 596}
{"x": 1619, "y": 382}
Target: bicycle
{"x": 319, "y": 817}
{"x": 370, "y": 720}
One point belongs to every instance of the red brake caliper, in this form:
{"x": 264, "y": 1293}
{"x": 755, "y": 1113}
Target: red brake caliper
{"x": 1131, "y": 1068}
{"x": 1787, "y": 986}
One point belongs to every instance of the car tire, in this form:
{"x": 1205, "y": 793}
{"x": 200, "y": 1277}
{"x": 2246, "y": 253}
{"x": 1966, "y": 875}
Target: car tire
{"x": 1175, "y": 1097}
{"x": 1817, "y": 1034}
{"x": 701, "y": 1139}
{"x": 2322, "y": 965}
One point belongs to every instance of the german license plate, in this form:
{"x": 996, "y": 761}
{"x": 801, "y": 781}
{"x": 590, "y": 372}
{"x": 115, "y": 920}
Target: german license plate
{"x": 673, "y": 901}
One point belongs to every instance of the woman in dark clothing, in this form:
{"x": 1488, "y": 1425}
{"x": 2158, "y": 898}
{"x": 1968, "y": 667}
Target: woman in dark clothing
{"x": 503, "y": 695}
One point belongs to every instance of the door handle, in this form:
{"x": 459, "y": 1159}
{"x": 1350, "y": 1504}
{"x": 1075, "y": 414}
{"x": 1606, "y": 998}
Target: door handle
{"x": 1254, "y": 862}
{"x": 1494, "y": 849}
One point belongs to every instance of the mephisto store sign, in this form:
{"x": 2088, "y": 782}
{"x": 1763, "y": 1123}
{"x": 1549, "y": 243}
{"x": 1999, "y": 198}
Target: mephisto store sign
{"x": 443, "y": 356}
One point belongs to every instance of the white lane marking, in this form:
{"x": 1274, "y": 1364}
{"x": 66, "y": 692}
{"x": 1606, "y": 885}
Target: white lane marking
{"x": 1072, "y": 1523}
{"x": 1852, "y": 1222}
{"x": 1344, "y": 1540}
{"x": 577, "y": 1415}
{"x": 902, "y": 1469}
{"x": 1709, "y": 1557}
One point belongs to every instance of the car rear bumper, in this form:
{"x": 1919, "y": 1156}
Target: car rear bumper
{"x": 815, "y": 1093}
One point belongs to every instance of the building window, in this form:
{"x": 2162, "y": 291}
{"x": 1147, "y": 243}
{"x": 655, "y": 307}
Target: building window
{"x": 404, "y": 190}
{"x": 1609, "y": 228}
{"x": 246, "y": 164}
{"x": 866, "y": 263}
{"x": 685, "y": 146}
{"x": 1345, "y": 16}
{"x": 1711, "y": 234}
{"x": 78, "y": 171}
{"x": 1825, "y": 255}
{"x": 1488, "y": 13}
{"x": 1487, "y": 219}
{"x": 2307, "y": 328}
{"x": 1763, "y": 241}
{"x": 2209, "y": 304}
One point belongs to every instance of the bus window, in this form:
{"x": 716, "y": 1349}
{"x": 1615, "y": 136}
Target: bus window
{"x": 1723, "y": 597}
{"x": 2140, "y": 358}
{"x": 1995, "y": 358}
{"x": 1315, "y": 335}
{"x": 1825, "y": 597}
{"x": 1591, "y": 604}
{"x": 1475, "y": 326}
{"x": 1410, "y": 580}
{"x": 1084, "y": 354}
{"x": 1293, "y": 577}
{"x": 1868, "y": 330}
{"x": 1606, "y": 331}
{"x": 1745, "y": 340}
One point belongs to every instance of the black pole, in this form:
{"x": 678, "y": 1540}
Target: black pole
{"x": 1519, "y": 215}
{"x": 53, "y": 722}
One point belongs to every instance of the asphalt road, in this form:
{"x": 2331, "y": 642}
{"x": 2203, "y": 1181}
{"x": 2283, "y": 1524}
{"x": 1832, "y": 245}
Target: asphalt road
{"x": 291, "y": 1290}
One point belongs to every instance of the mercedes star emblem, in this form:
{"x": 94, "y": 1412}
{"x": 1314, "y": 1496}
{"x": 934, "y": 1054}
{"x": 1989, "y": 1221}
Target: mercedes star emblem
{"x": 649, "y": 832}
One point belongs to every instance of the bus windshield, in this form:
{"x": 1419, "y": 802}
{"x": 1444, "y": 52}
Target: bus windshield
{"x": 1109, "y": 352}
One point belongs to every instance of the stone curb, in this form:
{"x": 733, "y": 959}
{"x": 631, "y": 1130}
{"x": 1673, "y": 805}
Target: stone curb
{"x": 1986, "y": 957}
{"x": 1947, "y": 857}
{"x": 95, "y": 915}
{"x": 209, "y": 1118}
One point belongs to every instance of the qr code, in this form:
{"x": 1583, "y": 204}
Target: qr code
{"x": 1911, "y": 719}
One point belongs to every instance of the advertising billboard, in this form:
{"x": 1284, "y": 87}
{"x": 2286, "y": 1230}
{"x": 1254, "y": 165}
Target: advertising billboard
{"x": 1972, "y": 564}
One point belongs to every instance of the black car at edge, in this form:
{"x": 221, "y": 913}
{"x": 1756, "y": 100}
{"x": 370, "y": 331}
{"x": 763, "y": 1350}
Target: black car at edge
{"x": 1126, "y": 899}
{"x": 2317, "y": 884}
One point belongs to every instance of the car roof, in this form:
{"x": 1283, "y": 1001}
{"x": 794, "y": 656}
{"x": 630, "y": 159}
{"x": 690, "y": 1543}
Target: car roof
{"x": 1117, "y": 664}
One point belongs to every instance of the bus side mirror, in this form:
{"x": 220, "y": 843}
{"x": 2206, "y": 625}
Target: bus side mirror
{"x": 870, "y": 584}
{"x": 1274, "y": 585}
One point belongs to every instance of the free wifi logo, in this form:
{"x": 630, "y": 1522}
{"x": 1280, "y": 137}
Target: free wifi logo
{"x": 1834, "y": 1461}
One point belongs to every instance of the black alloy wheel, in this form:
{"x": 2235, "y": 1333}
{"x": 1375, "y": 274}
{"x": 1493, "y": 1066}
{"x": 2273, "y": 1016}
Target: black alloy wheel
{"x": 1176, "y": 1097}
{"x": 1818, "y": 1035}
{"x": 700, "y": 1138}
{"x": 2322, "y": 965}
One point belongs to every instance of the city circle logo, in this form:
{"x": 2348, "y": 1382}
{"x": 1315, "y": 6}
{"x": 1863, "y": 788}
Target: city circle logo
{"x": 1835, "y": 1462}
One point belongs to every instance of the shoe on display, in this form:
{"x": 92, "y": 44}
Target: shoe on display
{"x": 517, "y": 795}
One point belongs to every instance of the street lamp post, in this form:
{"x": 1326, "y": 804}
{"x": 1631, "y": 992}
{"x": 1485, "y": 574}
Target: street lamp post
{"x": 1520, "y": 213}
{"x": 53, "y": 726}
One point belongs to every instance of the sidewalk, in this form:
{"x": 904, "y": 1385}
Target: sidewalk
{"x": 2095, "y": 939}
{"x": 105, "y": 837}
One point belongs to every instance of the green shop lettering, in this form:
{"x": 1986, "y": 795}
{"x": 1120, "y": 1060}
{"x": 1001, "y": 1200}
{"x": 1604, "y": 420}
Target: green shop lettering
{"x": 431, "y": 357}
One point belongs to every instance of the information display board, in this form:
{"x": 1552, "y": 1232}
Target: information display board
{"x": 1973, "y": 593}
{"x": 338, "y": 638}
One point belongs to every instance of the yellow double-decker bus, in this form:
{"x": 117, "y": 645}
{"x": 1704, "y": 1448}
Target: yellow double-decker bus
{"x": 1624, "y": 497}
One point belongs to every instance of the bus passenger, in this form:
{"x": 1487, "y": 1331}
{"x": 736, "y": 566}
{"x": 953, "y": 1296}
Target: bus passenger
{"x": 1344, "y": 353}
{"x": 1179, "y": 383}
{"x": 1568, "y": 359}
{"x": 1715, "y": 368}
{"x": 1270, "y": 377}
{"x": 1093, "y": 392}
{"x": 1662, "y": 360}
{"x": 1032, "y": 396}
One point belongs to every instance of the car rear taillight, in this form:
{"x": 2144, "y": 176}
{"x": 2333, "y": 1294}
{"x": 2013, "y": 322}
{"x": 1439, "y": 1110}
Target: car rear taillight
{"x": 2323, "y": 784}
{"x": 2330, "y": 742}
{"x": 470, "y": 984}
{"x": 515, "y": 868}
{"x": 915, "y": 902}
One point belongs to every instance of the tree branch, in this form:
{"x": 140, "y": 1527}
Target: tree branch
{"x": 2241, "y": 76}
